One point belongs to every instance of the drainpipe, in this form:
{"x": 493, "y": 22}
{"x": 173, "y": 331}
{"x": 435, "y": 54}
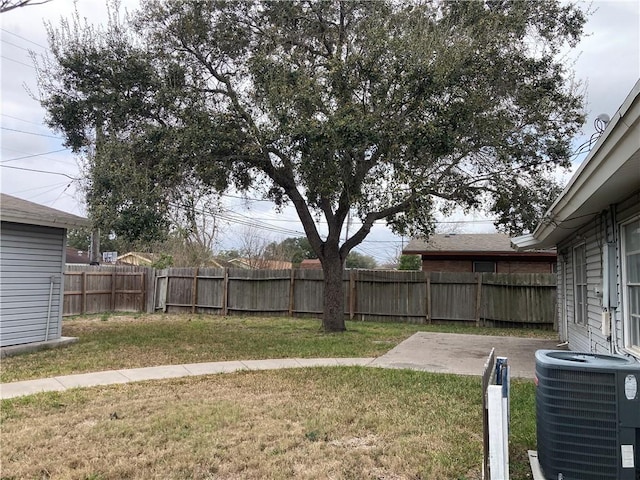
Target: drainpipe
{"x": 51, "y": 281}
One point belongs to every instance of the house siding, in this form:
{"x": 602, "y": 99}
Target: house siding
{"x": 624, "y": 212}
{"x": 603, "y": 228}
{"x": 585, "y": 337}
{"x": 29, "y": 257}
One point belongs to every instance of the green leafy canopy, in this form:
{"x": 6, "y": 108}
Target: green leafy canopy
{"x": 376, "y": 109}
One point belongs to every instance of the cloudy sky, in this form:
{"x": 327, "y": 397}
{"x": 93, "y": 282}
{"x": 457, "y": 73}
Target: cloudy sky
{"x": 36, "y": 166}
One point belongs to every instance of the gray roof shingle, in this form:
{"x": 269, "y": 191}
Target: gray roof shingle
{"x": 465, "y": 242}
{"x": 17, "y": 210}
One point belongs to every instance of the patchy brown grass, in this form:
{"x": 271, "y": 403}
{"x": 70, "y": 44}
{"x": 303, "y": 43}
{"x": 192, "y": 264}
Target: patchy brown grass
{"x": 337, "y": 423}
{"x": 130, "y": 341}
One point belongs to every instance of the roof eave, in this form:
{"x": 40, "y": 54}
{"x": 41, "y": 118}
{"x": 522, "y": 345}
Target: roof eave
{"x": 55, "y": 222}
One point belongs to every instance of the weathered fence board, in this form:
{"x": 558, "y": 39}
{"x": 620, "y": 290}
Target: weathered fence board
{"x": 416, "y": 297}
{"x": 96, "y": 289}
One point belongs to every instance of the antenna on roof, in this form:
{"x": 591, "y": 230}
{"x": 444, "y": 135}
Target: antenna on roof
{"x": 601, "y": 122}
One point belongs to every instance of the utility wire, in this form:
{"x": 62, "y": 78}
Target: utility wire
{"x": 21, "y": 119}
{"x": 34, "y": 155}
{"x": 18, "y": 61}
{"x": 30, "y": 133}
{"x": 51, "y": 187}
{"x": 38, "y": 171}
{"x": 23, "y": 38}
{"x": 14, "y": 45}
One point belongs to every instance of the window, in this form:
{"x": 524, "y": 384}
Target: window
{"x": 484, "y": 267}
{"x": 631, "y": 282}
{"x": 580, "y": 284}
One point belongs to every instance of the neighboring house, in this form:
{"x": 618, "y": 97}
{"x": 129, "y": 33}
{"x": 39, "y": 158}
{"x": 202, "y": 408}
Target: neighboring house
{"x": 76, "y": 257}
{"x": 260, "y": 264}
{"x": 311, "y": 264}
{"x": 478, "y": 252}
{"x": 595, "y": 224}
{"x": 137, "y": 258}
{"x": 32, "y": 260}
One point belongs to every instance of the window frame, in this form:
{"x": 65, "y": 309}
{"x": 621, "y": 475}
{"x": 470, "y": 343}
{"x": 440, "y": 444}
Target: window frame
{"x": 495, "y": 266}
{"x": 580, "y": 309}
{"x": 627, "y": 314}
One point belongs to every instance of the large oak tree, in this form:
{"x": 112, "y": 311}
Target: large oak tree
{"x": 380, "y": 110}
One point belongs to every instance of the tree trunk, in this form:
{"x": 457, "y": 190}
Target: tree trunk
{"x": 333, "y": 317}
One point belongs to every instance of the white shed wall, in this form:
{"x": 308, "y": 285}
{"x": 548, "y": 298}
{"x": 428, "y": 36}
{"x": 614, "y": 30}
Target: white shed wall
{"x": 30, "y": 256}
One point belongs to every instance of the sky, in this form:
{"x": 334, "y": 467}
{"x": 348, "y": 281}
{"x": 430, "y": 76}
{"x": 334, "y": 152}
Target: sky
{"x": 35, "y": 166}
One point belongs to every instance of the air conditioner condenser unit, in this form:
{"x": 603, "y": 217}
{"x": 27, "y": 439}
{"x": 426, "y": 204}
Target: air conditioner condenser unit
{"x": 588, "y": 416}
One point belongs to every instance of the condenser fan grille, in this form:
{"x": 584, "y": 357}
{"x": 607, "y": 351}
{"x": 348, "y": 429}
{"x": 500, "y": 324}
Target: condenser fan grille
{"x": 577, "y": 418}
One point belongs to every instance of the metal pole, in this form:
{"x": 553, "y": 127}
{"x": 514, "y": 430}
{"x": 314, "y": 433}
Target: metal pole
{"x": 46, "y": 333}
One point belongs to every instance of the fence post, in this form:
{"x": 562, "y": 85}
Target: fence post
{"x": 225, "y": 291}
{"x": 113, "y": 291}
{"x": 194, "y": 290}
{"x": 83, "y": 307}
{"x": 352, "y": 293}
{"x": 292, "y": 292}
{"x": 428, "y": 299}
{"x": 143, "y": 292}
{"x": 478, "y": 299}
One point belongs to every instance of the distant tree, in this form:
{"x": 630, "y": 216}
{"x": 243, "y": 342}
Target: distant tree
{"x": 292, "y": 249}
{"x": 80, "y": 238}
{"x": 410, "y": 262}
{"x": 229, "y": 254}
{"x": 358, "y": 260}
{"x": 370, "y": 109}
{"x": 6, "y": 5}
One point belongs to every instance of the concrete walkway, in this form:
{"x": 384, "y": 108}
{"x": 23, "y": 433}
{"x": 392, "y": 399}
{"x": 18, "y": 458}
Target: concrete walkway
{"x": 432, "y": 352}
{"x": 110, "y": 377}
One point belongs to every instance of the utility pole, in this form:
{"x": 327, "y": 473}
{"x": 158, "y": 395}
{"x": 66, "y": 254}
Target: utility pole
{"x": 94, "y": 250}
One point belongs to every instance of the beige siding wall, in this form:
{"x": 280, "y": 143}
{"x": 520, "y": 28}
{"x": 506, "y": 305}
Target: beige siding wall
{"x": 603, "y": 228}
{"x": 586, "y": 337}
{"x": 625, "y": 211}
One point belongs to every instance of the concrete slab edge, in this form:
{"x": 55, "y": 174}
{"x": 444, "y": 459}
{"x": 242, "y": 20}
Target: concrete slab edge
{"x": 535, "y": 465}
{"x": 36, "y": 346}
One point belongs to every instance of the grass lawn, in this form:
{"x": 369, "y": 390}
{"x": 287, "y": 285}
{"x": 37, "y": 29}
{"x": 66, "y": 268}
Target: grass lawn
{"x": 338, "y": 423}
{"x": 321, "y": 423}
{"x": 129, "y": 341}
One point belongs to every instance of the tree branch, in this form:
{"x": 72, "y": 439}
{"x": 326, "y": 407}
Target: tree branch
{"x": 370, "y": 219}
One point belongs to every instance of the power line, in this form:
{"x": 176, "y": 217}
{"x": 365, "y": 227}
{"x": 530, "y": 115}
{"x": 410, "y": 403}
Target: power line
{"x": 31, "y": 133}
{"x": 14, "y": 45}
{"x": 23, "y": 38}
{"x": 18, "y": 61}
{"x": 51, "y": 187}
{"x": 38, "y": 171}
{"x": 21, "y": 119}
{"x": 33, "y": 155}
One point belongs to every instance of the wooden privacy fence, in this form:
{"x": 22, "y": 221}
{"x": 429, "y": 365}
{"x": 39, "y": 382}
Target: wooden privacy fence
{"x": 97, "y": 289}
{"x": 416, "y": 297}
{"x": 381, "y": 295}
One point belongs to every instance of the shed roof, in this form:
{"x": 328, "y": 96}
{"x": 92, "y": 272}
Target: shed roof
{"x": 17, "y": 210}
